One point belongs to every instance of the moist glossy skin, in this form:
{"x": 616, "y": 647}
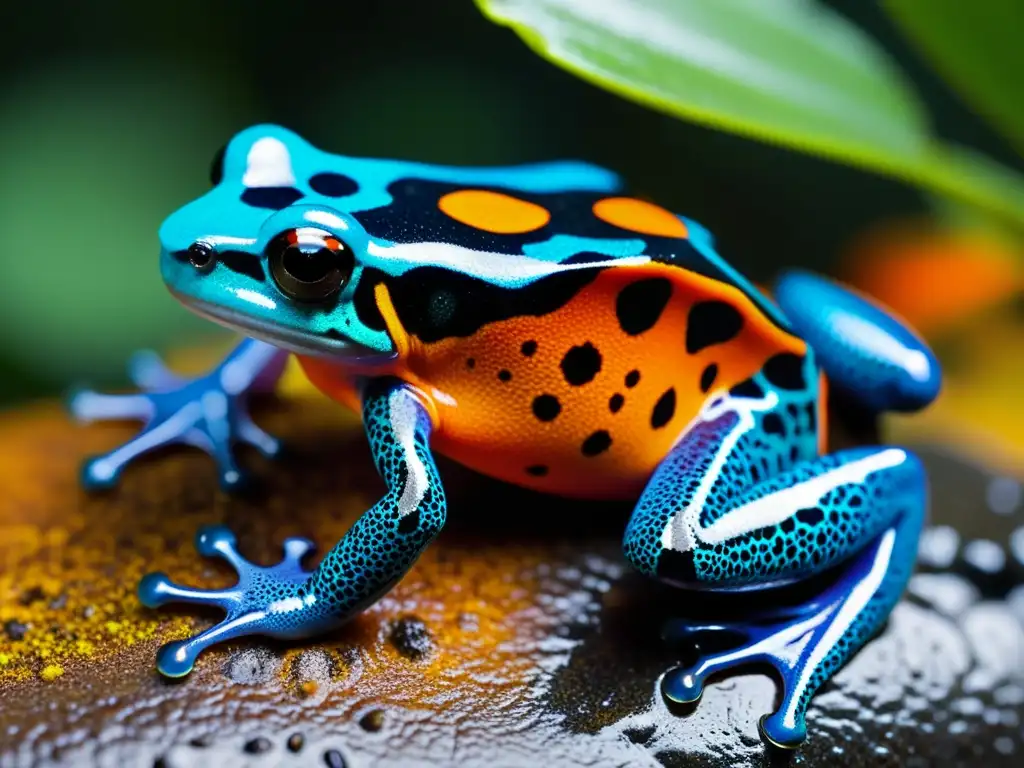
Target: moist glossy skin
{"x": 539, "y": 325}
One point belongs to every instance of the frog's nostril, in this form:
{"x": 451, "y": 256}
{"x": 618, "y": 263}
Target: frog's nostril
{"x": 200, "y": 255}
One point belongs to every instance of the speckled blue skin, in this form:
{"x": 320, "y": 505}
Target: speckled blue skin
{"x": 286, "y": 600}
{"x": 743, "y": 501}
{"x": 863, "y": 349}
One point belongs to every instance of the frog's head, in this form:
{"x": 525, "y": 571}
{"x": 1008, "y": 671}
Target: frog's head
{"x": 272, "y": 251}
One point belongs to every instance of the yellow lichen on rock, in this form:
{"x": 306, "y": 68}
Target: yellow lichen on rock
{"x": 51, "y": 672}
{"x": 71, "y": 560}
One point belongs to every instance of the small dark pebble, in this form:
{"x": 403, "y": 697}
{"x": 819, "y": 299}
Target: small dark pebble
{"x": 15, "y": 630}
{"x": 33, "y": 595}
{"x": 640, "y": 735}
{"x": 334, "y": 759}
{"x": 296, "y": 742}
{"x": 160, "y": 762}
{"x": 411, "y": 637}
{"x": 59, "y": 602}
{"x": 203, "y": 741}
{"x": 372, "y": 721}
{"x": 258, "y": 746}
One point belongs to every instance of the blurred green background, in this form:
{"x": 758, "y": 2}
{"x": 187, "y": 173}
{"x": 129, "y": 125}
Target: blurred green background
{"x": 111, "y": 111}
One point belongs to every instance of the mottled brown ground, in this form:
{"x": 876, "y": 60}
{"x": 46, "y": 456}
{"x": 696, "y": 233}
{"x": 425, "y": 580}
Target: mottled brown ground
{"x": 520, "y": 637}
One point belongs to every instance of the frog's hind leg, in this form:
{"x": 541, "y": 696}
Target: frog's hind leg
{"x": 209, "y": 412}
{"x": 741, "y": 502}
{"x": 863, "y": 349}
{"x": 809, "y": 648}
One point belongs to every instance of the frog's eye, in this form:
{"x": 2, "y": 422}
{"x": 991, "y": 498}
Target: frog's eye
{"x": 308, "y": 264}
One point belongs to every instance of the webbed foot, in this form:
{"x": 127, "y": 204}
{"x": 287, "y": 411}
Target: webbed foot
{"x": 805, "y": 645}
{"x": 265, "y": 601}
{"x": 209, "y": 412}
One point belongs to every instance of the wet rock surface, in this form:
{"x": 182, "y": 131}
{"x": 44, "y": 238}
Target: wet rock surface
{"x": 520, "y": 638}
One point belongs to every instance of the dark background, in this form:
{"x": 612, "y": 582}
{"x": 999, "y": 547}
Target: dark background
{"x": 111, "y": 111}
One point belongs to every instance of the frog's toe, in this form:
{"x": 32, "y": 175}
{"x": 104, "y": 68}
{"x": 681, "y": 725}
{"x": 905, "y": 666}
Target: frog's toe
{"x": 98, "y": 474}
{"x": 208, "y": 412}
{"x": 216, "y": 441}
{"x": 156, "y": 590}
{"x": 148, "y": 372}
{"x": 232, "y": 478}
{"x": 295, "y": 549}
{"x": 218, "y": 541}
{"x": 86, "y": 405}
{"x": 253, "y": 435}
{"x": 780, "y": 733}
{"x": 265, "y": 601}
{"x": 103, "y": 471}
{"x": 682, "y": 687}
{"x": 176, "y": 659}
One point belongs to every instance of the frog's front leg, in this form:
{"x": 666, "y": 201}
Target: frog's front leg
{"x": 209, "y": 412}
{"x": 740, "y": 504}
{"x": 288, "y": 601}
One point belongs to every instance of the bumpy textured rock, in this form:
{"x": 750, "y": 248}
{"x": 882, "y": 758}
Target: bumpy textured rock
{"x": 520, "y": 638}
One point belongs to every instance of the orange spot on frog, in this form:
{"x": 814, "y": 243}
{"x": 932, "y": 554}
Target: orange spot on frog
{"x": 494, "y": 212}
{"x": 639, "y": 216}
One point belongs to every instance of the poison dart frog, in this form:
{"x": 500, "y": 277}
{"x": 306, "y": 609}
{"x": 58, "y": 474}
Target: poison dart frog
{"x": 538, "y": 325}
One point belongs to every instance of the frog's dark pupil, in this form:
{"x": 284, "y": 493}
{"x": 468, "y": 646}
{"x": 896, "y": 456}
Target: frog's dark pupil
{"x": 308, "y": 266}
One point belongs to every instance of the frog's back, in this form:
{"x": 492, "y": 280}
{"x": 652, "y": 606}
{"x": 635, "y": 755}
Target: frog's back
{"x": 565, "y": 337}
{"x": 585, "y": 394}
{"x": 565, "y": 332}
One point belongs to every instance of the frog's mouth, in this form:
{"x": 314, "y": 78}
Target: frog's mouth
{"x": 330, "y": 344}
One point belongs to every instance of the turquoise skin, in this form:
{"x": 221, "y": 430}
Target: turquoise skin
{"x": 743, "y": 501}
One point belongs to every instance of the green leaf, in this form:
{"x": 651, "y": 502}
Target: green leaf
{"x": 789, "y": 72}
{"x": 783, "y": 70}
{"x": 977, "y": 47}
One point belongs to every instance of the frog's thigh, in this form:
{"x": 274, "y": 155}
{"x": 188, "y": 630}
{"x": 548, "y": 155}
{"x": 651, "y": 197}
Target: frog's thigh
{"x": 742, "y": 500}
{"x": 863, "y": 348}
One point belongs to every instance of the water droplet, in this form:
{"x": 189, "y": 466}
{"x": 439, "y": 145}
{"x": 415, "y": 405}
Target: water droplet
{"x": 1004, "y": 495}
{"x": 258, "y": 746}
{"x": 985, "y": 555}
{"x": 938, "y": 547}
{"x": 1004, "y": 745}
{"x": 1017, "y": 544}
{"x": 372, "y": 721}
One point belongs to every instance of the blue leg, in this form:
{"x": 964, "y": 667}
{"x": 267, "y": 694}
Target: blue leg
{"x": 862, "y": 348}
{"x": 209, "y": 412}
{"x": 288, "y": 601}
{"x": 715, "y": 516}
